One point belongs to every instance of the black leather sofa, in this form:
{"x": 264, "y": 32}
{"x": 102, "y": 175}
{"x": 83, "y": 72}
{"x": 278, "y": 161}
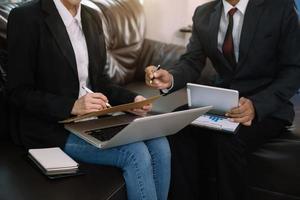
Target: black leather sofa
{"x": 274, "y": 169}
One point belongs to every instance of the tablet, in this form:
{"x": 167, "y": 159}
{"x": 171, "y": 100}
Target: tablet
{"x": 221, "y": 99}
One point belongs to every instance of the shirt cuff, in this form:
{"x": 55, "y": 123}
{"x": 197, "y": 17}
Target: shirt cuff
{"x": 167, "y": 90}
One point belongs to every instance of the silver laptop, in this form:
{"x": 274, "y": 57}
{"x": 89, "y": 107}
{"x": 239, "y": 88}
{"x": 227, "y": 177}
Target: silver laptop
{"x": 124, "y": 129}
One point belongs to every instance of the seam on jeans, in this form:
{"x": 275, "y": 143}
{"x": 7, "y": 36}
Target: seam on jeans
{"x": 154, "y": 169}
{"x": 137, "y": 171}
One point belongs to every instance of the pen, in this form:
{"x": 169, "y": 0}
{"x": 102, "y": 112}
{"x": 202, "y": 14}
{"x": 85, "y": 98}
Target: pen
{"x": 157, "y": 68}
{"x": 90, "y": 91}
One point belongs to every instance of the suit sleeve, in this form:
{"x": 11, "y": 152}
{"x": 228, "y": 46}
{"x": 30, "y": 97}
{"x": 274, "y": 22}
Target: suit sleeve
{"x": 23, "y": 38}
{"x": 287, "y": 82}
{"x": 191, "y": 64}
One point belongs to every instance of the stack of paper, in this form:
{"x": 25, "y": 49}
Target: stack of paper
{"x": 53, "y": 161}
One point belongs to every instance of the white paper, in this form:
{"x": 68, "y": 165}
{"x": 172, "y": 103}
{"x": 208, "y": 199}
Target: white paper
{"x": 216, "y": 122}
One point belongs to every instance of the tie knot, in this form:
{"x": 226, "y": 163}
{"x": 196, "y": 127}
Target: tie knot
{"x": 232, "y": 11}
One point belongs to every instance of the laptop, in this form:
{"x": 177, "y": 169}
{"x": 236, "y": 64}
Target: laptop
{"x": 124, "y": 129}
{"x": 222, "y": 101}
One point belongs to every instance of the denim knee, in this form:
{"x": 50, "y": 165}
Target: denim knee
{"x": 135, "y": 154}
{"x": 159, "y": 147}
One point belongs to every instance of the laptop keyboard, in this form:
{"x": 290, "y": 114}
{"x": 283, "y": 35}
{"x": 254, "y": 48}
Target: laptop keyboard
{"x": 105, "y": 134}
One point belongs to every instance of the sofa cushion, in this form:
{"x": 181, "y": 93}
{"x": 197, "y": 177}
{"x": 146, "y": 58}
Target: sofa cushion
{"x": 124, "y": 30}
{"x": 20, "y": 179}
{"x": 275, "y": 165}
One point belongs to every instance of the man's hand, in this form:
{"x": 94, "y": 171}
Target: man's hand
{"x": 141, "y": 111}
{"x": 159, "y": 79}
{"x": 90, "y": 102}
{"x": 243, "y": 114}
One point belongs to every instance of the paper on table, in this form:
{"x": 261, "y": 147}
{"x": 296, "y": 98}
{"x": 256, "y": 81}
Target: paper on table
{"x": 119, "y": 108}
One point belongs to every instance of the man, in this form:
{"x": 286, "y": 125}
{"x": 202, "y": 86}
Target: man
{"x": 254, "y": 48}
{"x": 56, "y": 48}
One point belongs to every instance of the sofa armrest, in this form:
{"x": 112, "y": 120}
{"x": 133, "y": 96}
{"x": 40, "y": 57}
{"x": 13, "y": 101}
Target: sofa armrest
{"x": 157, "y": 53}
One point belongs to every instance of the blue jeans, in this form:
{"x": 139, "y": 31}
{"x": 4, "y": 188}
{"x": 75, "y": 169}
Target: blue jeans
{"x": 146, "y": 165}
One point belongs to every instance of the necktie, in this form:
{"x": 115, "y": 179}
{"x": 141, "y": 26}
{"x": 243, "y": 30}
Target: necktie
{"x": 228, "y": 46}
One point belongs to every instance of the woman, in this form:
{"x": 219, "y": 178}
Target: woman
{"x": 56, "y": 47}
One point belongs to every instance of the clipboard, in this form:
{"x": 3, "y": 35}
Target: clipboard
{"x": 119, "y": 108}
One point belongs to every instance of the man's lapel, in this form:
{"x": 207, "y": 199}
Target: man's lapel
{"x": 214, "y": 23}
{"x": 251, "y": 19}
{"x": 59, "y": 32}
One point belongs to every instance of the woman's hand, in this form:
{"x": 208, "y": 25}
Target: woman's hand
{"x": 90, "y": 102}
{"x": 141, "y": 111}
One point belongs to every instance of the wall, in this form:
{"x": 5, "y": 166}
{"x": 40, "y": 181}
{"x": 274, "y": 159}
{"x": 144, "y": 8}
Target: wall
{"x": 166, "y": 17}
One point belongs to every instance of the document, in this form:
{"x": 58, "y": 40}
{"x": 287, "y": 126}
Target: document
{"x": 216, "y": 122}
{"x": 114, "y": 109}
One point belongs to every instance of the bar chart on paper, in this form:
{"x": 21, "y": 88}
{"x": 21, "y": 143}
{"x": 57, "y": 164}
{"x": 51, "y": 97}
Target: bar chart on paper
{"x": 216, "y": 122}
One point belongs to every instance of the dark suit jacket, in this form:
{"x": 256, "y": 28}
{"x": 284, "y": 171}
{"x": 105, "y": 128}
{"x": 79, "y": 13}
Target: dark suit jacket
{"x": 268, "y": 71}
{"x": 43, "y": 81}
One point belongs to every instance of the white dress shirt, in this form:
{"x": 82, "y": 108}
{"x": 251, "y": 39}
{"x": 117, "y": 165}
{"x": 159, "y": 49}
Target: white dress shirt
{"x": 238, "y": 20}
{"x": 77, "y": 38}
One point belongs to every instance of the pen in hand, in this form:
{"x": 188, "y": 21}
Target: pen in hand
{"x": 90, "y": 91}
{"x": 157, "y": 68}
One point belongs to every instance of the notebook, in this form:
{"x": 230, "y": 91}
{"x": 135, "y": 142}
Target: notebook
{"x": 222, "y": 101}
{"x": 53, "y": 161}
